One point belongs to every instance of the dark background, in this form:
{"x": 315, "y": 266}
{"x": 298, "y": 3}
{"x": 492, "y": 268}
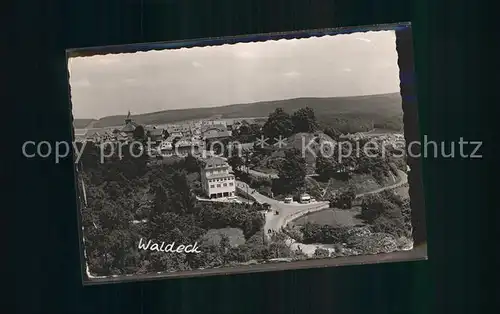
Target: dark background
{"x": 43, "y": 258}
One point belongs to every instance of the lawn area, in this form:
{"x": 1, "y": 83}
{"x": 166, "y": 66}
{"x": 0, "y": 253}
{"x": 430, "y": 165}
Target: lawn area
{"x": 332, "y": 217}
{"x": 235, "y": 235}
{"x": 361, "y": 182}
{"x": 265, "y": 170}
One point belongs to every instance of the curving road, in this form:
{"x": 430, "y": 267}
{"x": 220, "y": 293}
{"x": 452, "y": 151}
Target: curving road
{"x": 309, "y": 249}
{"x": 289, "y": 212}
{"x": 403, "y": 179}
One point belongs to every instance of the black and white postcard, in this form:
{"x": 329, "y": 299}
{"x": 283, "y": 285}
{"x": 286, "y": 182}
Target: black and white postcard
{"x": 245, "y": 154}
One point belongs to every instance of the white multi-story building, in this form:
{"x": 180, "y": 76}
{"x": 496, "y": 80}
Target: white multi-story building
{"x": 217, "y": 179}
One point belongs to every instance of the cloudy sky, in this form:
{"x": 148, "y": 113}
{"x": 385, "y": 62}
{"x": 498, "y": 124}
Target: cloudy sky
{"x": 341, "y": 65}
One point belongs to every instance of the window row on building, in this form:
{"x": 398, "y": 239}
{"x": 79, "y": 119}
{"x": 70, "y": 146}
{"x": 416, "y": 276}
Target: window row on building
{"x": 217, "y": 171}
{"x": 212, "y": 186}
{"x": 220, "y": 179}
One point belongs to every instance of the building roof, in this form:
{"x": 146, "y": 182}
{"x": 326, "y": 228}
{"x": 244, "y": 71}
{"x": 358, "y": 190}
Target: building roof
{"x": 155, "y": 132}
{"x": 214, "y": 162}
{"x": 217, "y": 127}
{"x": 220, "y": 175}
{"x": 90, "y": 133}
{"x": 181, "y": 142}
{"x": 193, "y": 144}
{"x": 217, "y": 134}
{"x": 80, "y": 132}
{"x": 129, "y": 127}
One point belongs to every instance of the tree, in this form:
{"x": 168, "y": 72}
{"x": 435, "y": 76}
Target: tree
{"x": 375, "y": 243}
{"x": 333, "y": 133}
{"x": 304, "y": 120}
{"x": 248, "y": 159}
{"x": 394, "y": 226}
{"x": 165, "y": 133}
{"x": 292, "y": 171}
{"x": 279, "y": 248}
{"x": 315, "y": 233}
{"x": 345, "y": 198}
{"x": 321, "y": 253}
{"x": 181, "y": 198}
{"x": 191, "y": 164}
{"x": 225, "y": 148}
{"x": 376, "y": 205}
{"x": 167, "y": 262}
{"x": 175, "y": 140}
{"x": 278, "y": 124}
{"x": 255, "y": 130}
{"x": 128, "y": 161}
{"x": 325, "y": 167}
{"x": 89, "y": 156}
{"x": 139, "y": 133}
{"x": 160, "y": 201}
{"x": 235, "y": 161}
{"x": 224, "y": 242}
{"x": 247, "y": 133}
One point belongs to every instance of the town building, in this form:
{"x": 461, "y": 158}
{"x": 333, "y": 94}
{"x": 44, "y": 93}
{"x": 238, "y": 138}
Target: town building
{"x": 181, "y": 147}
{"x": 155, "y": 135}
{"x": 234, "y": 125}
{"x": 208, "y": 127}
{"x": 217, "y": 179}
{"x": 213, "y": 122}
{"x": 129, "y": 126}
{"x": 180, "y": 130}
{"x": 91, "y": 135}
{"x": 152, "y": 132}
{"x": 215, "y": 133}
{"x": 80, "y": 135}
{"x": 196, "y": 131}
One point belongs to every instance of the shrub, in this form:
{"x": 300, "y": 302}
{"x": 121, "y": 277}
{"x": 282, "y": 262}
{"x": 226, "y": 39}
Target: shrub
{"x": 315, "y": 233}
{"x": 373, "y": 244}
{"x": 321, "y": 253}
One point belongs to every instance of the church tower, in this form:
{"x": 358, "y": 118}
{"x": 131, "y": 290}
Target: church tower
{"x": 128, "y": 120}
{"x": 129, "y": 126}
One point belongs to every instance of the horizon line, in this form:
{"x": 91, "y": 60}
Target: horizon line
{"x": 236, "y": 104}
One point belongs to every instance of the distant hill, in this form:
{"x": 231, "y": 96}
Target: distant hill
{"x": 82, "y": 123}
{"x": 375, "y": 108}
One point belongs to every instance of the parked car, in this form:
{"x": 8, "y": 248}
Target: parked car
{"x": 305, "y": 198}
{"x": 288, "y": 200}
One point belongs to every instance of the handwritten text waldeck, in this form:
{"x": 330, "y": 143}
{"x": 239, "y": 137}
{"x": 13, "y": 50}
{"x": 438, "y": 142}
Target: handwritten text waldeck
{"x": 169, "y": 248}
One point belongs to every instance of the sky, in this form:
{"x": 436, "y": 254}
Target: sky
{"x": 330, "y": 66}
